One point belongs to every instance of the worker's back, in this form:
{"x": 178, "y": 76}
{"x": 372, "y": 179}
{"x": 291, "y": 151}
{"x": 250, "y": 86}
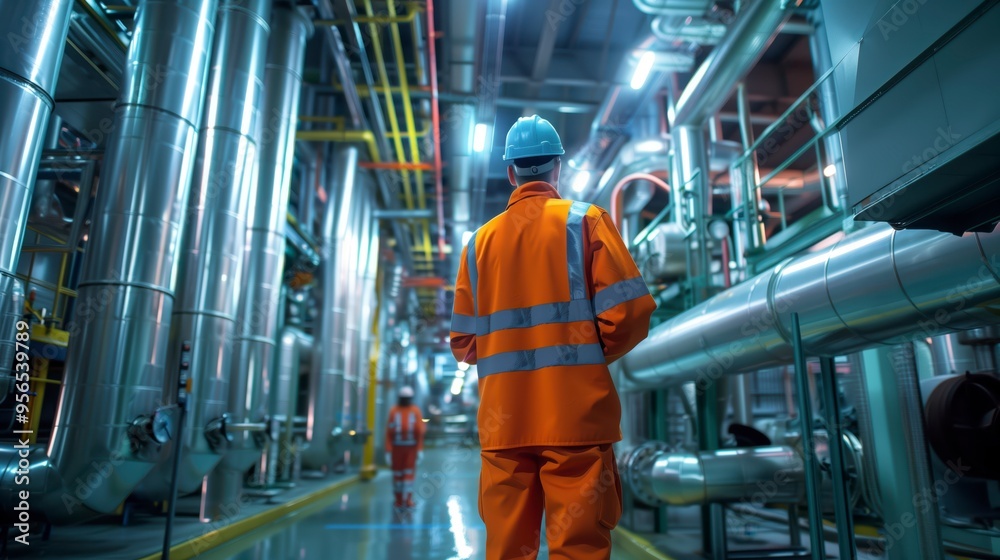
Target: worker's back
{"x": 542, "y": 369}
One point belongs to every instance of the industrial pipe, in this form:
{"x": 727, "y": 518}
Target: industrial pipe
{"x": 29, "y": 68}
{"x": 211, "y": 255}
{"x": 116, "y": 363}
{"x": 264, "y": 259}
{"x": 875, "y": 286}
{"x": 212, "y": 244}
{"x": 728, "y": 62}
{"x": 616, "y": 192}
{"x": 326, "y": 383}
{"x": 758, "y": 475}
{"x": 295, "y": 349}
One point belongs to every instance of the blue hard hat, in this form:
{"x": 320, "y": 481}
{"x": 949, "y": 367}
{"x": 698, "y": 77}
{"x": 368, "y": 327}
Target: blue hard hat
{"x": 532, "y": 137}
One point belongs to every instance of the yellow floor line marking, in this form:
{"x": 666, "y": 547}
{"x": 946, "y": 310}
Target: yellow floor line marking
{"x": 198, "y": 545}
{"x": 635, "y": 545}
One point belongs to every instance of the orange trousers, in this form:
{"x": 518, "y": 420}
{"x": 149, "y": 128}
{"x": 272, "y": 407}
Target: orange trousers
{"x": 577, "y": 488}
{"x": 404, "y": 467}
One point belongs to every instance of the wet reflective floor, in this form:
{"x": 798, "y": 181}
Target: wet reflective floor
{"x": 360, "y": 522}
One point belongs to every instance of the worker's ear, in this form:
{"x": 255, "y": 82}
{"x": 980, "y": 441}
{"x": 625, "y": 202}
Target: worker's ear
{"x": 511, "y": 176}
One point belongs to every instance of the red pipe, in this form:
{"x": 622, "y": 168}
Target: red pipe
{"x": 616, "y": 193}
{"x": 436, "y": 123}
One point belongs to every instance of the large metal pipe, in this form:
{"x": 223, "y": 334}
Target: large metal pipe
{"x": 295, "y": 348}
{"x": 462, "y": 24}
{"x": 728, "y": 62}
{"x": 950, "y": 356}
{"x": 212, "y": 243}
{"x": 213, "y": 240}
{"x": 873, "y": 287}
{"x": 264, "y": 260}
{"x": 755, "y": 474}
{"x": 116, "y": 364}
{"x": 368, "y": 304}
{"x": 326, "y": 384}
{"x": 29, "y": 67}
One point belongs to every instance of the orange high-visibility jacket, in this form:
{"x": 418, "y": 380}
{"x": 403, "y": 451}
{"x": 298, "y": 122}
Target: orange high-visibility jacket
{"x": 405, "y": 428}
{"x": 547, "y": 296}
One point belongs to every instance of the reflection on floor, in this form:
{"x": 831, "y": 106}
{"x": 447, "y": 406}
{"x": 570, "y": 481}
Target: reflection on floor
{"x": 359, "y": 522}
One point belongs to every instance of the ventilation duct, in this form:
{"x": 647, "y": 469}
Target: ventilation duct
{"x": 876, "y": 286}
{"x": 29, "y": 67}
{"x": 104, "y": 432}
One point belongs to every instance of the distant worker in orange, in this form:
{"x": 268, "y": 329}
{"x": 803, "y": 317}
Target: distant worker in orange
{"x": 547, "y": 296}
{"x": 404, "y": 446}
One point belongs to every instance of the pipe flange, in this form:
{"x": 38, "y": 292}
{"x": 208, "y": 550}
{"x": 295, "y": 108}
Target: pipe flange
{"x": 641, "y": 460}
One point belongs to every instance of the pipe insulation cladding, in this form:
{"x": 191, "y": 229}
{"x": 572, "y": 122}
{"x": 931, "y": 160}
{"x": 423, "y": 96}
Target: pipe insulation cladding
{"x": 120, "y": 335}
{"x": 29, "y": 66}
{"x": 875, "y": 286}
{"x": 212, "y": 243}
{"x": 264, "y": 261}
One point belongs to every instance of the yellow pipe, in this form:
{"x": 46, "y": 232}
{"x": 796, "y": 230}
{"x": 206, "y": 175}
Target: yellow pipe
{"x": 420, "y": 134}
{"x": 62, "y": 278}
{"x": 397, "y": 44}
{"x": 41, "y": 368}
{"x": 103, "y": 23}
{"x": 339, "y": 121}
{"x": 382, "y": 20}
{"x": 365, "y": 136}
{"x": 368, "y": 469}
{"x": 390, "y": 103}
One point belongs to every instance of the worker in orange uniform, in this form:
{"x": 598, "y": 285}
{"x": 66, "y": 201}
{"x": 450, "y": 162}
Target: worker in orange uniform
{"x": 404, "y": 446}
{"x": 547, "y": 296}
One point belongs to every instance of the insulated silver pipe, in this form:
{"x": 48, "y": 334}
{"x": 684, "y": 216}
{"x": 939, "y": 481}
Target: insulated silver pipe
{"x": 326, "y": 384}
{"x": 264, "y": 260}
{"x": 212, "y": 243}
{"x": 213, "y": 240}
{"x": 29, "y": 66}
{"x": 352, "y": 333}
{"x": 10, "y": 315}
{"x": 950, "y": 356}
{"x": 368, "y": 282}
{"x": 117, "y": 357}
{"x": 873, "y": 287}
{"x": 759, "y": 475}
{"x": 728, "y": 62}
{"x": 295, "y": 348}
{"x": 463, "y": 21}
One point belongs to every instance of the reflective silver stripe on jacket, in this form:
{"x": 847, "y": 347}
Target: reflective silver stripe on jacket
{"x": 618, "y": 293}
{"x": 574, "y": 251}
{"x": 470, "y": 255}
{"x": 465, "y": 324}
{"x": 549, "y": 356}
